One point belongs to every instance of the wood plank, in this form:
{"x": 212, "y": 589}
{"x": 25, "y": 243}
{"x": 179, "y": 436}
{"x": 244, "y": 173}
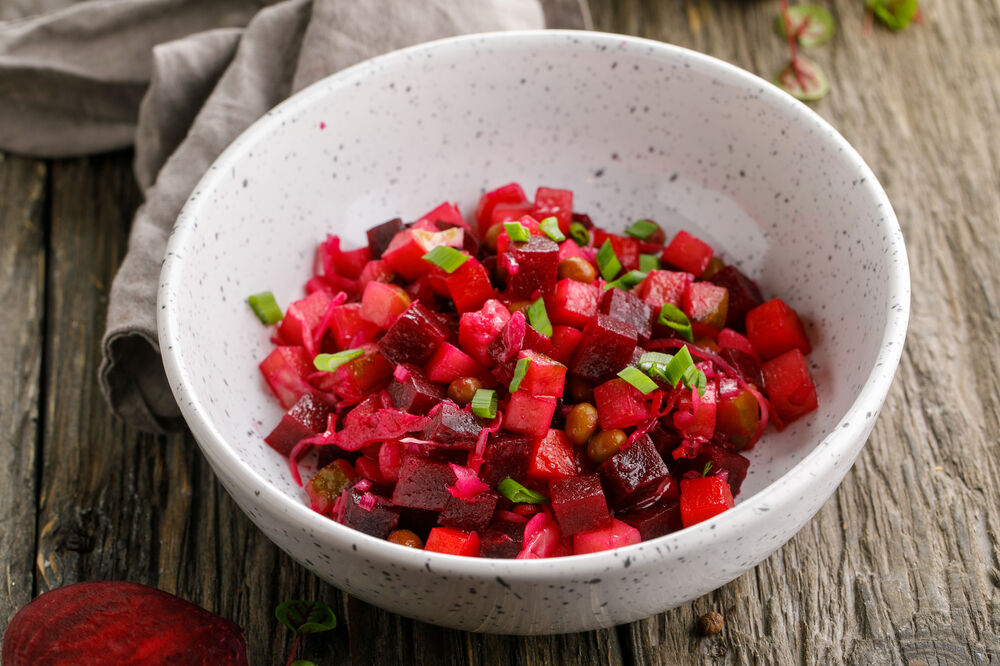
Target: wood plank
{"x": 901, "y": 566}
{"x": 22, "y": 295}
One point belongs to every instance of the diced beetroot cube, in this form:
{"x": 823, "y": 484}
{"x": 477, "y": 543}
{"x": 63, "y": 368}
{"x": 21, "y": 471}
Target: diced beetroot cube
{"x": 378, "y": 521}
{"x": 423, "y": 484}
{"x": 615, "y": 535}
{"x": 327, "y": 484}
{"x": 656, "y": 520}
{"x": 449, "y": 363}
{"x": 744, "y": 294}
{"x": 564, "y": 342}
{"x": 407, "y": 249}
{"x": 552, "y": 457}
{"x": 348, "y": 326}
{"x": 538, "y": 342}
{"x": 688, "y": 253}
{"x": 704, "y": 498}
{"x": 452, "y": 427}
{"x": 537, "y": 267}
{"x": 661, "y": 287}
{"x": 619, "y": 404}
{"x": 504, "y": 536}
{"x": 382, "y": 303}
{"x": 634, "y": 472}
{"x": 285, "y": 370}
{"x": 476, "y": 330}
{"x": 706, "y": 303}
{"x": 774, "y": 328}
{"x": 544, "y": 375}
{"x": 627, "y": 251}
{"x": 469, "y": 286}
{"x": 469, "y": 515}
{"x": 529, "y": 415}
{"x": 453, "y": 542}
{"x": 505, "y": 457}
{"x": 747, "y": 365}
{"x": 375, "y": 271}
{"x": 553, "y": 202}
{"x": 506, "y": 212}
{"x": 579, "y": 504}
{"x": 628, "y": 307}
{"x": 369, "y": 468}
{"x": 336, "y": 261}
{"x": 695, "y": 415}
{"x": 305, "y": 418}
{"x": 730, "y": 339}
{"x": 444, "y": 216}
{"x": 302, "y": 318}
{"x": 414, "y": 336}
{"x": 421, "y": 290}
{"x": 722, "y": 459}
{"x": 381, "y": 235}
{"x": 605, "y": 348}
{"x": 789, "y": 385}
{"x": 417, "y": 394}
{"x": 572, "y": 250}
{"x": 509, "y": 193}
{"x": 574, "y": 304}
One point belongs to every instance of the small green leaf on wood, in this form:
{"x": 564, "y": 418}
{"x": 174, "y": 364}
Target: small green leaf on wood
{"x": 811, "y": 25}
{"x": 306, "y": 617}
{"x": 803, "y": 79}
{"x": 897, "y": 14}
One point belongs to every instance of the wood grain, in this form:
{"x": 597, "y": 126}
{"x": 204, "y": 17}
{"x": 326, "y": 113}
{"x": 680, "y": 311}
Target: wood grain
{"x": 22, "y": 295}
{"x": 901, "y": 566}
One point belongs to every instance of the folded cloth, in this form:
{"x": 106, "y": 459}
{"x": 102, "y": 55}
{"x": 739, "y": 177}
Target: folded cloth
{"x": 182, "y": 79}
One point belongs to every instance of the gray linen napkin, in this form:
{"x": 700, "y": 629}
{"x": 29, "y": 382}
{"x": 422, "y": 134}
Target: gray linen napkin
{"x": 71, "y": 82}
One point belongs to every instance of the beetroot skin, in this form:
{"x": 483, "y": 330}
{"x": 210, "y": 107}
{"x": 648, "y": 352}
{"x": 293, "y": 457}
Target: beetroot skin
{"x": 115, "y": 622}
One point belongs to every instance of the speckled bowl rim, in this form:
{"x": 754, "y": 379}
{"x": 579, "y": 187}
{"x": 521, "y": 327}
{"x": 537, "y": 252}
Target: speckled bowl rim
{"x": 795, "y": 482}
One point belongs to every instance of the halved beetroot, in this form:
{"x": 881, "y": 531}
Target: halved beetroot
{"x": 116, "y": 622}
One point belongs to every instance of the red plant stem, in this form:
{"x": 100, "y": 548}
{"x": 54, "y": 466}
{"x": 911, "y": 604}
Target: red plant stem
{"x": 295, "y": 648}
{"x": 801, "y": 77}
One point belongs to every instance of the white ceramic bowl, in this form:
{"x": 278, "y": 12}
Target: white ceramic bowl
{"x": 635, "y": 128}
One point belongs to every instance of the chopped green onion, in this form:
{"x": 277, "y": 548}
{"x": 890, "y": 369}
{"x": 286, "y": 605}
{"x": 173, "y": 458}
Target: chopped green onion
{"x": 550, "y": 227}
{"x": 517, "y": 231}
{"x": 579, "y": 233}
{"x": 694, "y": 378}
{"x": 642, "y": 229}
{"x": 708, "y": 466}
{"x": 607, "y": 261}
{"x": 678, "y": 365}
{"x": 627, "y": 281}
{"x": 446, "y": 258}
{"x": 675, "y": 318}
{"x": 520, "y": 370}
{"x": 330, "y": 362}
{"x": 539, "y": 318}
{"x": 484, "y": 403}
{"x": 638, "y": 379}
{"x": 518, "y": 494}
{"x": 649, "y": 262}
{"x": 649, "y": 359}
{"x": 265, "y": 307}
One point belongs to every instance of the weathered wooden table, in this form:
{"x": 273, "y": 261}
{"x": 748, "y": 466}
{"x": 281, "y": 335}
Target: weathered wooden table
{"x": 901, "y": 566}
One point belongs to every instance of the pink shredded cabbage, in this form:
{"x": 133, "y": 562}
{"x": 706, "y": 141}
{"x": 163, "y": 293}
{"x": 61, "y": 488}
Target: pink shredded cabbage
{"x": 467, "y": 483}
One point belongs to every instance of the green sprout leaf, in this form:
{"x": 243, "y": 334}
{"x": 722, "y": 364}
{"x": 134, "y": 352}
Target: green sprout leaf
{"x": 518, "y": 494}
{"x": 897, "y": 14}
{"x": 306, "y": 617}
{"x": 803, "y": 79}
{"x": 811, "y": 25}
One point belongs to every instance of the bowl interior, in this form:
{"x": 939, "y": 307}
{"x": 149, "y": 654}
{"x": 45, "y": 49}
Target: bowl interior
{"x": 635, "y": 129}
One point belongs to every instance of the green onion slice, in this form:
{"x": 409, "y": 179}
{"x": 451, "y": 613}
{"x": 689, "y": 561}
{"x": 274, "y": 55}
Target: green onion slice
{"x": 649, "y": 262}
{"x": 708, "y": 466}
{"x": 579, "y": 233}
{"x": 642, "y": 229}
{"x": 484, "y": 403}
{"x": 520, "y": 370}
{"x": 446, "y": 258}
{"x": 627, "y": 281}
{"x": 607, "y": 261}
{"x": 638, "y": 379}
{"x": 674, "y": 317}
{"x": 539, "y": 318}
{"x": 694, "y": 378}
{"x": 265, "y": 307}
{"x": 517, "y": 231}
{"x": 679, "y": 365}
{"x": 649, "y": 359}
{"x": 550, "y": 227}
{"x": 518, "y": 494}
{"x": 330, "y": 362}
{"x": 812, "y": 25}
